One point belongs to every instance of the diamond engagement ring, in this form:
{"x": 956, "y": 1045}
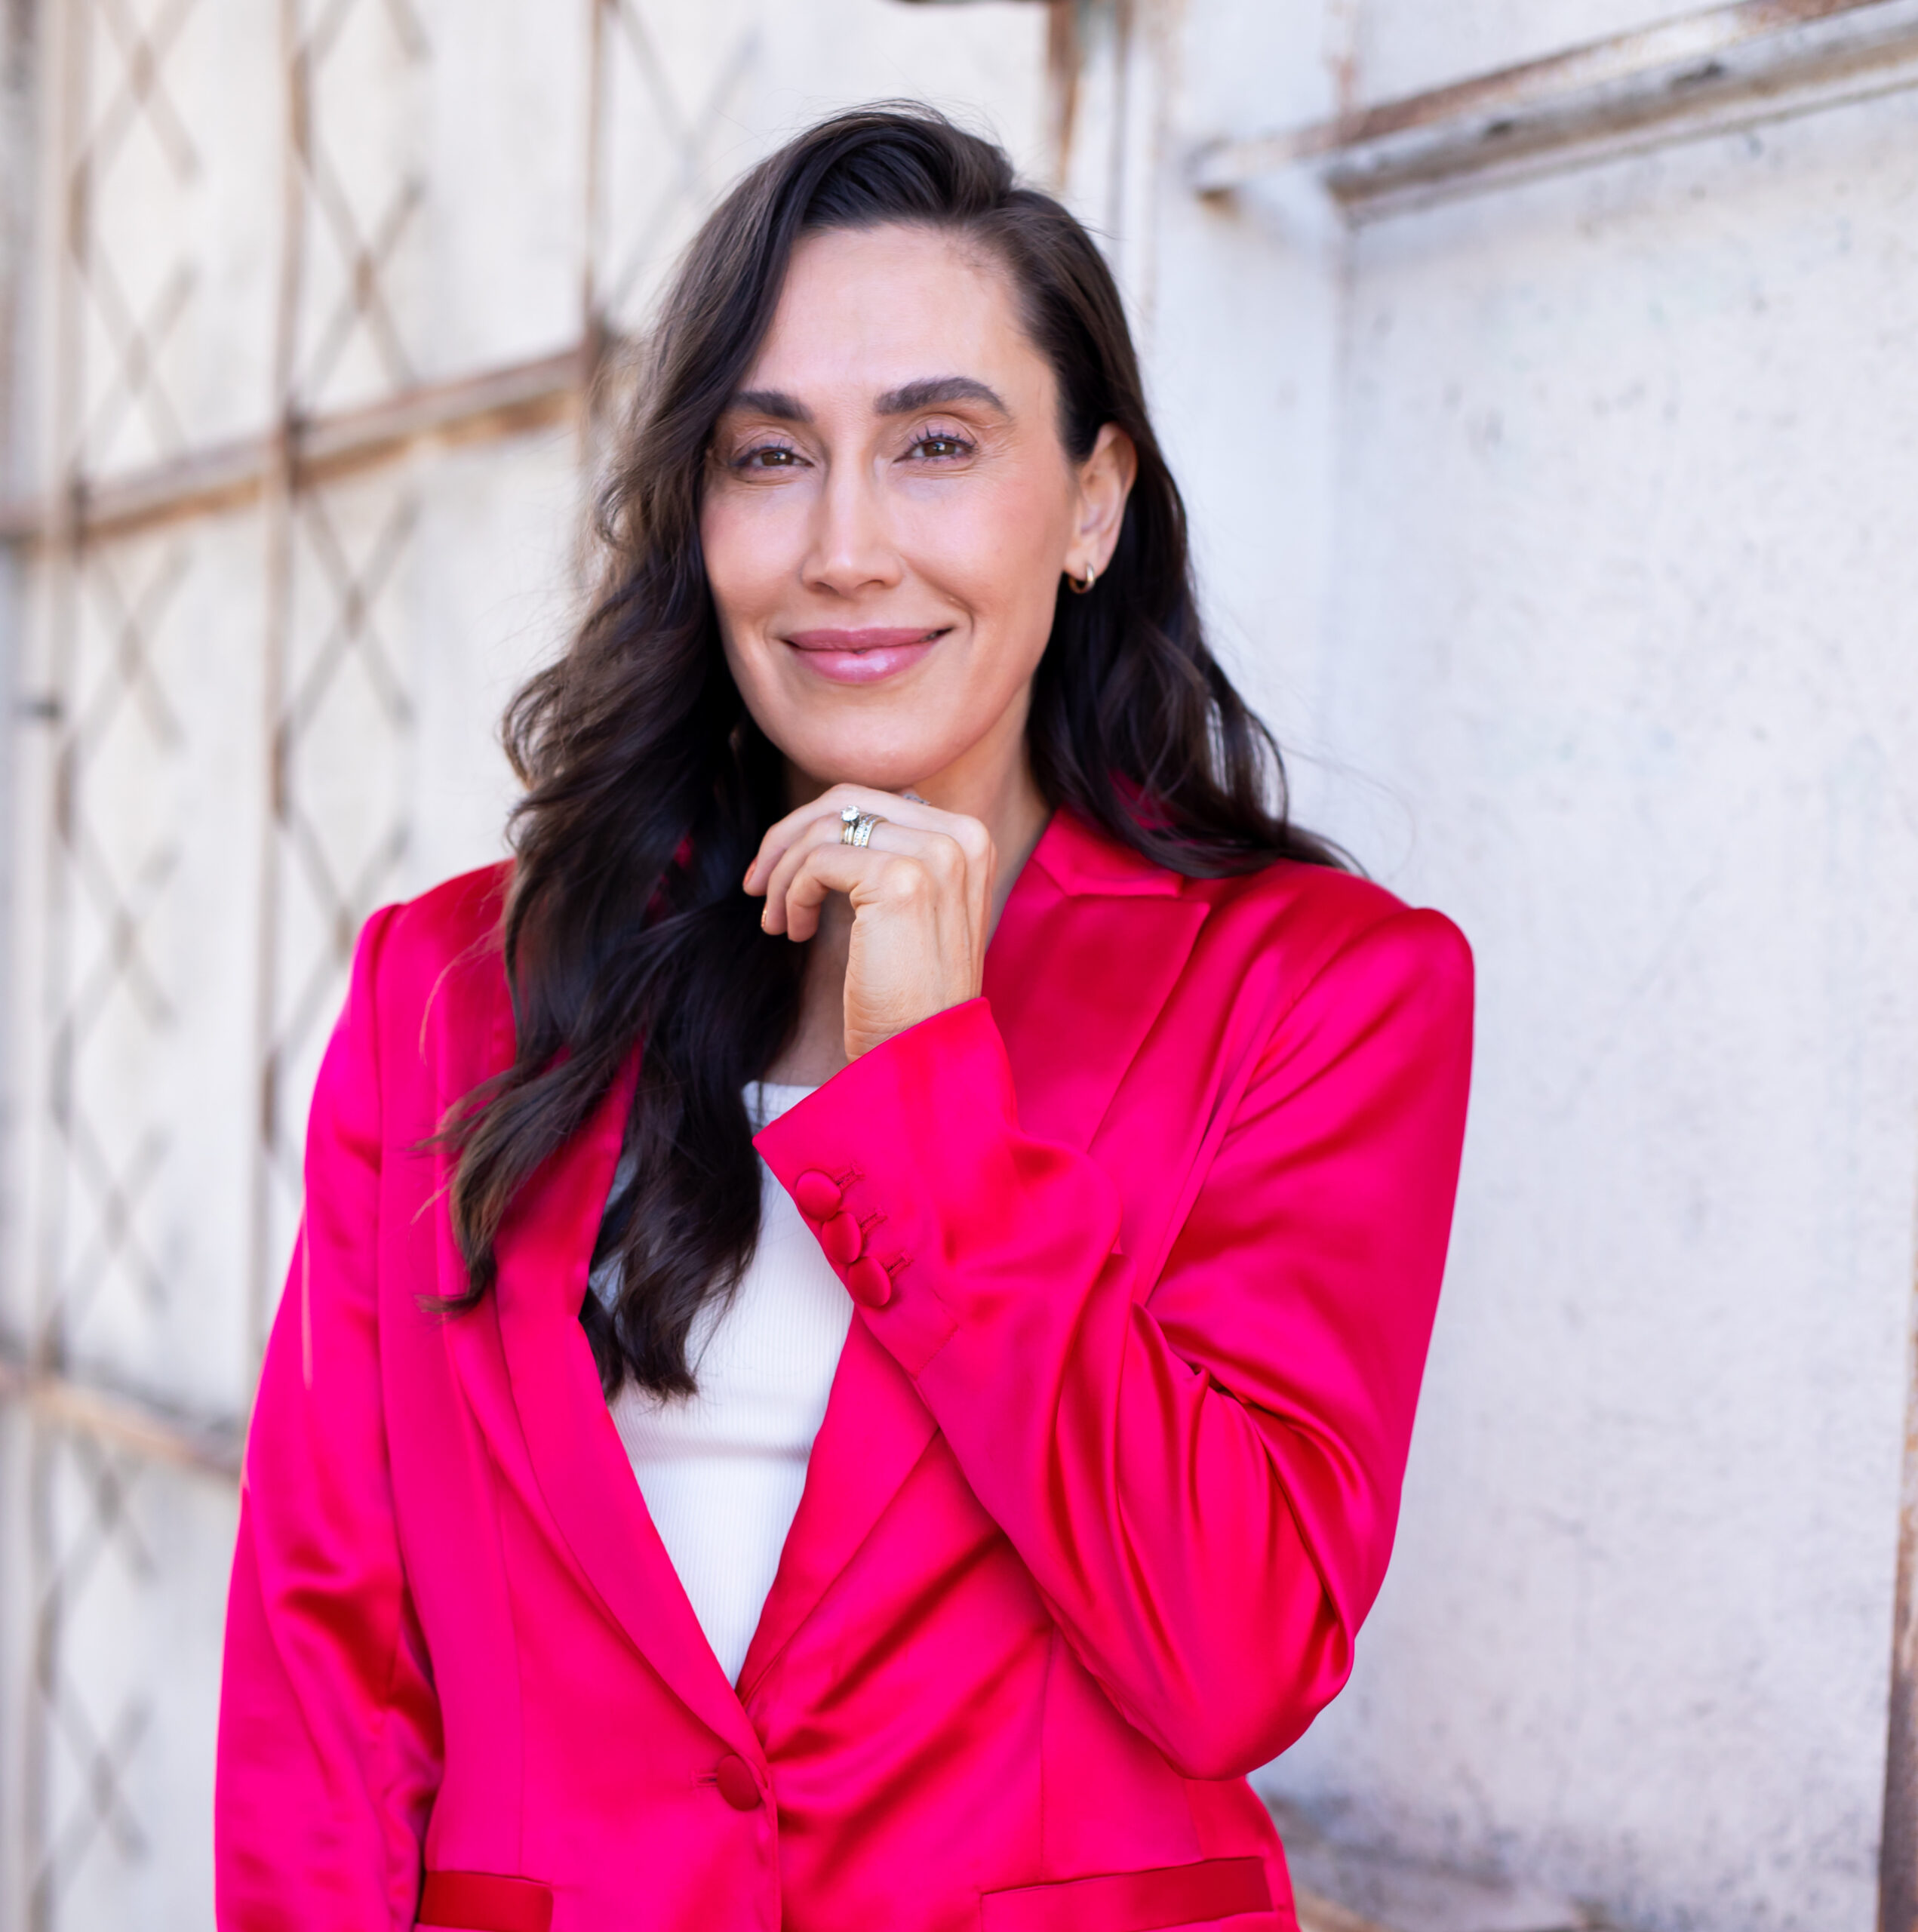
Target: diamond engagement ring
{"x": 856, "y": 826}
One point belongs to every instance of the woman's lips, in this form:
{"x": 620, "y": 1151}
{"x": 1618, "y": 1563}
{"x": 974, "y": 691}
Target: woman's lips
{"x": 865, "y": 656}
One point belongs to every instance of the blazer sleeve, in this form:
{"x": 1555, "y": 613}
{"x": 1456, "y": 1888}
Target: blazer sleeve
{"x": 1201, "y": 1471}
{"x": 329, "y": 1744}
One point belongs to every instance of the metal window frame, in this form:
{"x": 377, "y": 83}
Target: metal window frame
{"x": 1715, "y": 72}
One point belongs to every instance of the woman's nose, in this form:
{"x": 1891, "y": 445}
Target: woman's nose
{"x": 852, "y": 547}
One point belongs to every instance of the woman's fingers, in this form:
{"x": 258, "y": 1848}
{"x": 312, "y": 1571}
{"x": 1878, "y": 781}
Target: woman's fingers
{"x": 874, "y": 874}
{"x": 781, "y": 863}
{"x": 821, "y": 857}
{"x": 809, "y": 822}
{"x": 819, "y": 818}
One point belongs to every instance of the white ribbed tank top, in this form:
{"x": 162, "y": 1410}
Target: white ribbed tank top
{"x": 722, "y": 1470}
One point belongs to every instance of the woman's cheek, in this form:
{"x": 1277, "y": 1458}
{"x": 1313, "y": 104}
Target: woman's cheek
{"x": 746, "y": 562}
{"x": 978, "y": 546}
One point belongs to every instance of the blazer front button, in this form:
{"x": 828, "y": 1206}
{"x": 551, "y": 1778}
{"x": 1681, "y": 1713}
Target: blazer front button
{"x": 842, "y": 1239}
{"x": 737, "y": 1784}
{"x": 818, "y": 1195}
{"x": 868, "y": 1284}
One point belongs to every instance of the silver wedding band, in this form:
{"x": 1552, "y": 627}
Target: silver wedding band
{"x": 856, "y": 826}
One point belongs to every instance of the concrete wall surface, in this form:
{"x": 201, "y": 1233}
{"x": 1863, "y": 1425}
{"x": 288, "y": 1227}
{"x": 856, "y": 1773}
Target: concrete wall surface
{"x": 235, "y": 729}
{"x": 1610, "y": 656}
{"x": 1565, "y": 532}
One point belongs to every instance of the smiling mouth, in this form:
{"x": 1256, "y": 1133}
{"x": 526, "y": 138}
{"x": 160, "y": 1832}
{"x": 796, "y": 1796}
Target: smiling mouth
{"x": 863, "y": 656}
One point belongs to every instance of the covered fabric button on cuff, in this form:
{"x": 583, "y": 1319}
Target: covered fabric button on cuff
{"x": 842, "y": 1240}
{"x": 737, "y": 1784}
{"x": 868, "y": 1284}
{"x": 817, "y": 1194}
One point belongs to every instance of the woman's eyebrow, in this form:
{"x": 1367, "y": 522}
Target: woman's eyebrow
{"x": 775, "y": 403}
{"x": 930, "y": 390}
{"x": 927, "y": 393}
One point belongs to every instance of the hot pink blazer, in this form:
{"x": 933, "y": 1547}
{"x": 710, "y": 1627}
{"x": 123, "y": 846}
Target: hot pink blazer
{"x": 1148, "y": 1239}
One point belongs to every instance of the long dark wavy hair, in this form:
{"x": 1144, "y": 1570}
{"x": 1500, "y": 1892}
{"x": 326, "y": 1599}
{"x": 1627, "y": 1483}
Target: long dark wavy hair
{"x": 648, "y": 786}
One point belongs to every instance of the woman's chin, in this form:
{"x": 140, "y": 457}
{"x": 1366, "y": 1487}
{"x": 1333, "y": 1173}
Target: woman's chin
{"x": 879, "y": 775}
{"x": 896, "y": 763}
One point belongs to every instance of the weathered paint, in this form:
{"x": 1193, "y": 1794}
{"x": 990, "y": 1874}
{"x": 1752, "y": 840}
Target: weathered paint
{"x": 1898, "y": 1858}
{"x": 1679, "y": 72}
{"x": 1611, "y": 659}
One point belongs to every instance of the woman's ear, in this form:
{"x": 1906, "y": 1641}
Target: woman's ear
{"x": 1105, "y": 481}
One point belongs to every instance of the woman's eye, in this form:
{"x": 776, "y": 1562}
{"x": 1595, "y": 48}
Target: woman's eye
{"x": 942, "y": 448}
{"x": 768, "y": 456}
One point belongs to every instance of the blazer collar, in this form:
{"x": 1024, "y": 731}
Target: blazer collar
{"x": 1091, "y": 941}
{"x": 1080, "y": 859}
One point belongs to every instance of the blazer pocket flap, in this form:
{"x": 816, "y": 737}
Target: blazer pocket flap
{"x": 482, "y": 1902}
{"x": 1155, "y": 1901}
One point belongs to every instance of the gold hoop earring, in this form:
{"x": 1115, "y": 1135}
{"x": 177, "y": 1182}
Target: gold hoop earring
{"x": 1092, "y": 577}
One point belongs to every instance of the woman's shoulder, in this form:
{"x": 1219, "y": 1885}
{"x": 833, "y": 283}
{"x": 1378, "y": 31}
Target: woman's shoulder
{"x": 442, "y": 947}
{"x": 1292, "y": 926}
{"x": 1303, "y": 918}
{"x": 1309, "y": 913}
{"x": 1340, "y": 906}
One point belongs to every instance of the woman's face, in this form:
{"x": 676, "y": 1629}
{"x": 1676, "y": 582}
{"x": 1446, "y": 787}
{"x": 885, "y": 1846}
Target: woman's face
{"x": 888, "y": 511}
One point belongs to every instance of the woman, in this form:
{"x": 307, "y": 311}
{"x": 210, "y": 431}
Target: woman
{"x": 923, "y": 1511}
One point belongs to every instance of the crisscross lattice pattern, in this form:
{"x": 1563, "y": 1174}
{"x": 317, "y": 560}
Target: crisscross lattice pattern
{"x": 129, "y": 182}
{"x": 356, "y": 128}
{"x": 255, "y": 221}
{"x": 95, "y": 1718}
{"x": 142, "y": 1287}
{"x": 340, "y": 798}
{"x": 120, "y": 856}
{"x": 671, "y": 80}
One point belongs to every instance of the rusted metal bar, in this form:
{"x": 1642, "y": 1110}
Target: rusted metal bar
{"x": 508, "y": 401}
{"x": 1897, "y": 1853}
{"x": 1065, "y": 57}
{"x": 1318, "y": 1914}
{"x": 503, "y": 401}
{"x": 209, "y": 1446}
{"x": 1708, "y": 72}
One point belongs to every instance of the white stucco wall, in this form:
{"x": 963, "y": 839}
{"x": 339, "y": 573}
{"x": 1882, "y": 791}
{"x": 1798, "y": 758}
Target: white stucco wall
{"x": 1567, "y": 537}
{"x": 460, "y": 152}
{"x": 1398, "y": 47}
{"x": 1611, "y": 657}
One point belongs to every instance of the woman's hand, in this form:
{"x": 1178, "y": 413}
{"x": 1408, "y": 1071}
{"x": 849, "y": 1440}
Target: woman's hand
{"x": 921, "y": 892}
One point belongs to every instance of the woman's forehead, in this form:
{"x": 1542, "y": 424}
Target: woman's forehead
{"x": 870, "y": 315}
